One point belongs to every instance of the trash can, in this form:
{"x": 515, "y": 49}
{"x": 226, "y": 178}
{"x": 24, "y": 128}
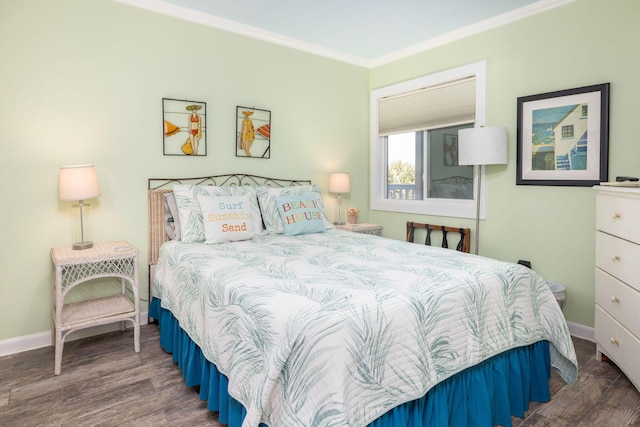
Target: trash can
{"x": 558, "y": 291}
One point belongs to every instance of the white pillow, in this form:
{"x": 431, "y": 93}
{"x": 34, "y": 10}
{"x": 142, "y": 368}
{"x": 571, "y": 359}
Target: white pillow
{"x": 227, "y": 219}
{"x": 171, "y": 219}
{"x": 190, "y": 215}
{"x": 269, "y": 209}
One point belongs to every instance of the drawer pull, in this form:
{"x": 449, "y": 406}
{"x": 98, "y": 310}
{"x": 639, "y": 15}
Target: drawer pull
{"x": 615, "y": 215}
{"x": 615, "y": 298}
{"x": 615, "y": 258}
{"x": 615, "y": 341}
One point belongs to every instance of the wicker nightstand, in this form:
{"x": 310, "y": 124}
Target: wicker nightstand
{"x": 74, "y": 267}
{"x": 364, "y": 228}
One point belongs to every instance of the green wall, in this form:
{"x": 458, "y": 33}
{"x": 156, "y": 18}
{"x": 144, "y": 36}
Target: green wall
{"x": 83, "y": 82}
{"x": 583, "y": 43}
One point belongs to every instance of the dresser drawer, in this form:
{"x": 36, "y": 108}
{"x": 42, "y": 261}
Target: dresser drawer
{"x": 619, "y": 215}
{"x": 619, "y": 300}
{"x": 618, "y": 344}
{"x": 619, "y": 258}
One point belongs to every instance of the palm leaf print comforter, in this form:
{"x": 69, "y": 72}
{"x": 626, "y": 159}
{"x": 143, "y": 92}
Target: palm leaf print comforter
{"x": 337, "y": 328}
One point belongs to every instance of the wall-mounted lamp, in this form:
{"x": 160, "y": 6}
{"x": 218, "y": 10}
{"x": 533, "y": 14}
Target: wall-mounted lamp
{"x": 79, "y": 183}
{"x": 482, "y": 146}
{"x": 340, "y": 184}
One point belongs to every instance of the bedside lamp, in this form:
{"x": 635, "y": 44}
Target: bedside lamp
{"x": 79, "y": 183}
{"x": 340, "y": 184}
{"x": 482, "y": 146}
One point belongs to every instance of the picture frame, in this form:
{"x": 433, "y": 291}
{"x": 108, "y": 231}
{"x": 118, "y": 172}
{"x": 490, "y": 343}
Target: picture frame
{"x": 563, "y": 137}
{"x": 450, "y": 150}
{"x": 184, "y": 127}
{"x": 253, "y": 133}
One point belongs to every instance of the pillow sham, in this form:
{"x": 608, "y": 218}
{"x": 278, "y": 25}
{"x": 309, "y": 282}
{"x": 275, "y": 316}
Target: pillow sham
{"x": 190, "y": 215}
{"x": 303, "y": 214}
{"x": 227, "y": 219}
{"x": 171, "y": 220}
{"x": 268, "y": 207}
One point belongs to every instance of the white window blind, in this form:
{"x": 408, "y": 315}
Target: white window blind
{"x": 449, "y": 104}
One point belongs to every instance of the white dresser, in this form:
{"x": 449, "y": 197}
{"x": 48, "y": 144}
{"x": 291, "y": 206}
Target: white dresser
{"x": 617, "y": 322}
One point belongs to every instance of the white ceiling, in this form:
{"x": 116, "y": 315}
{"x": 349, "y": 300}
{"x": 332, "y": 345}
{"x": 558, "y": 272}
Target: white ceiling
{"x": 363, "y": 32}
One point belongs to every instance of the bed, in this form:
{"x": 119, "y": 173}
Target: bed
{"x": 332, "y": 328}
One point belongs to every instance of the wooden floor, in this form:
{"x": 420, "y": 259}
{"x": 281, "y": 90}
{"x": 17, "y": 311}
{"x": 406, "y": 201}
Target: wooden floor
{"x": 105, "y": 383}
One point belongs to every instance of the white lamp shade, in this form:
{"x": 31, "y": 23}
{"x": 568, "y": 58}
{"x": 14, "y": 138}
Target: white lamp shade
{"x": 78, "y": 183}
{"x": 339, "y": 183}
{"x": 482, "y": 146}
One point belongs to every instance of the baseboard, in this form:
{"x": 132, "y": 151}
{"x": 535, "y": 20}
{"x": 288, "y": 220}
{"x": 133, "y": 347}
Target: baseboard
{"x": 581, "y": 331}
{"x": 43, "y": 339}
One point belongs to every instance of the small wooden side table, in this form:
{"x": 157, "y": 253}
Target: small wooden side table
{"x": 74, "y": 267}
{"x": 364, "y": 228}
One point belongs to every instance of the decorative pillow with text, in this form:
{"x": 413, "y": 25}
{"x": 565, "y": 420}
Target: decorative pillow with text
{"x": 190, "y": 214}
{"x": 301, "y": 214}
{"x": 227, "y": 219}
{"x": 269, "y": 209}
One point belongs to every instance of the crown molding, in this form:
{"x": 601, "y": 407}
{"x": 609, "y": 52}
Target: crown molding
{"x": 191, "y": 15}
{"x": 166, "y": 8}
{"x": 488, "y": 24}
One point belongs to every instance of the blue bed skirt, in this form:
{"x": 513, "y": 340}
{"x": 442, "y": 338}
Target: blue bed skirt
{"x": 484, "y": 395}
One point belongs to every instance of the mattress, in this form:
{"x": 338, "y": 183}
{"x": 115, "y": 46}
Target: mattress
{"x": 342, "y": 327}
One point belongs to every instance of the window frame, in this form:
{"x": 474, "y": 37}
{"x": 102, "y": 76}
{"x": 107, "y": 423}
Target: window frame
{"x": 461, "y": 208}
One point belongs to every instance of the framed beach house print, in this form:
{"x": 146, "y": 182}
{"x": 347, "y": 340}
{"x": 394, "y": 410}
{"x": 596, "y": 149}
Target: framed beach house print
{"x": 563, "y": 137}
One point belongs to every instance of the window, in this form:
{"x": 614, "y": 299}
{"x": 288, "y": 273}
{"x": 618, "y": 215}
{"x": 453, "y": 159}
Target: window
{"x": 567, "y": 131}
{"x": 585, "y": 111}
{"x": 409, "y": 154}
{"x": 414, "y": 143}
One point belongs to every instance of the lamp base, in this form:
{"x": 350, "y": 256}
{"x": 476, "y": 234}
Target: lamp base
{"x": 82, "y": 245}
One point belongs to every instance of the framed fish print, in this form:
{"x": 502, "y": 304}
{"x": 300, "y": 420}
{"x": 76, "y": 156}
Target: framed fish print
{"x": 563, "y": 137}
{"x": 184, "y": 127}
{"x": 253, "y": 133}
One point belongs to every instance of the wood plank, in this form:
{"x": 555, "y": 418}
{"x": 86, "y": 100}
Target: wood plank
{"x": 103, "y": 382}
